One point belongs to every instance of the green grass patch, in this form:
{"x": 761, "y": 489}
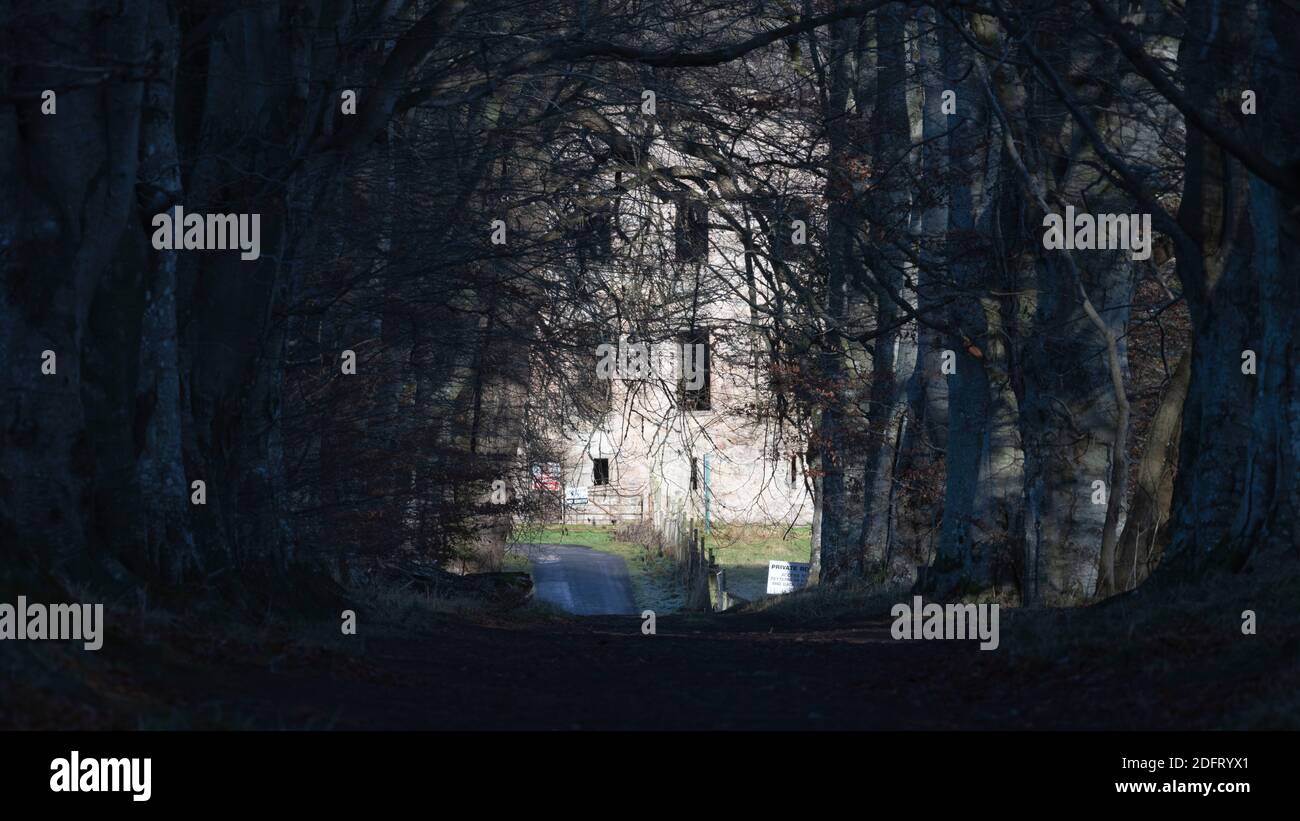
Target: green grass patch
{"x": 744, "y": 551}
{"x": 596, "y": 536}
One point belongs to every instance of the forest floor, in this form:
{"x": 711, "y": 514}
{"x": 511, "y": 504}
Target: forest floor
{"x": 1171, "y": 659}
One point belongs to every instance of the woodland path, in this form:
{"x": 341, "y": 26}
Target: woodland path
{"x": 580, "y": 580}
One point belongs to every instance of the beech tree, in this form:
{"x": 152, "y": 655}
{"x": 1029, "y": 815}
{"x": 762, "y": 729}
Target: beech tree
{"x": 460, "y": 202}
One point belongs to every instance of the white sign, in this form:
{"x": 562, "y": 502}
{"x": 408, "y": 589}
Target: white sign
{"x": 575, "y": 496}
{"x": 786, "y": 577}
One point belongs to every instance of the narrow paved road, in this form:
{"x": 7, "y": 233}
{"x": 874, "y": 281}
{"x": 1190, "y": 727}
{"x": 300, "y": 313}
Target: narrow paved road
{"x": 580, "y": 580}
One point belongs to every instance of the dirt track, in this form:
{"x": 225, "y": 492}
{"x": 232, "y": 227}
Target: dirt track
{"x": 580, "y": 580}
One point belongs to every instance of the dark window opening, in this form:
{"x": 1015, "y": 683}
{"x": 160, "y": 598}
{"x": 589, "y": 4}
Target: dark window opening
{"x": 780, "y": 214}
{"x": 600, "y": 234}
{"x": 600, "y": 471}
{"x": 695, "y": 375}
{"x": 695, "y": 474}
{"x": 691, "y": 230}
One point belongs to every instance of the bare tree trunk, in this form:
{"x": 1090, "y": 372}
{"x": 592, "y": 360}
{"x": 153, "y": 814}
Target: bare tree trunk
{"x": 982, "y": 447}
{"x": 1145, "y": 532}
{"x": 1074, "y": 429}
{"x": 837, "y": 551}
{"x": 887, "y": 208}
{"x": 66, "y": 183}
{"x": 929, "y": 388}
{"x": 164, "y": 491}
{"x": 1243, "y": 295}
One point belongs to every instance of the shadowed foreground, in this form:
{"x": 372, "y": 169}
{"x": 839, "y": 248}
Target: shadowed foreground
{"x": 812, "y": 661}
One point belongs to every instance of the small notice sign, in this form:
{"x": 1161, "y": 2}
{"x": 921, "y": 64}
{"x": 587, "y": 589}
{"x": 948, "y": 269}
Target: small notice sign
{"x": 575, "y": 496}
{"x": 786, "y": 577}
